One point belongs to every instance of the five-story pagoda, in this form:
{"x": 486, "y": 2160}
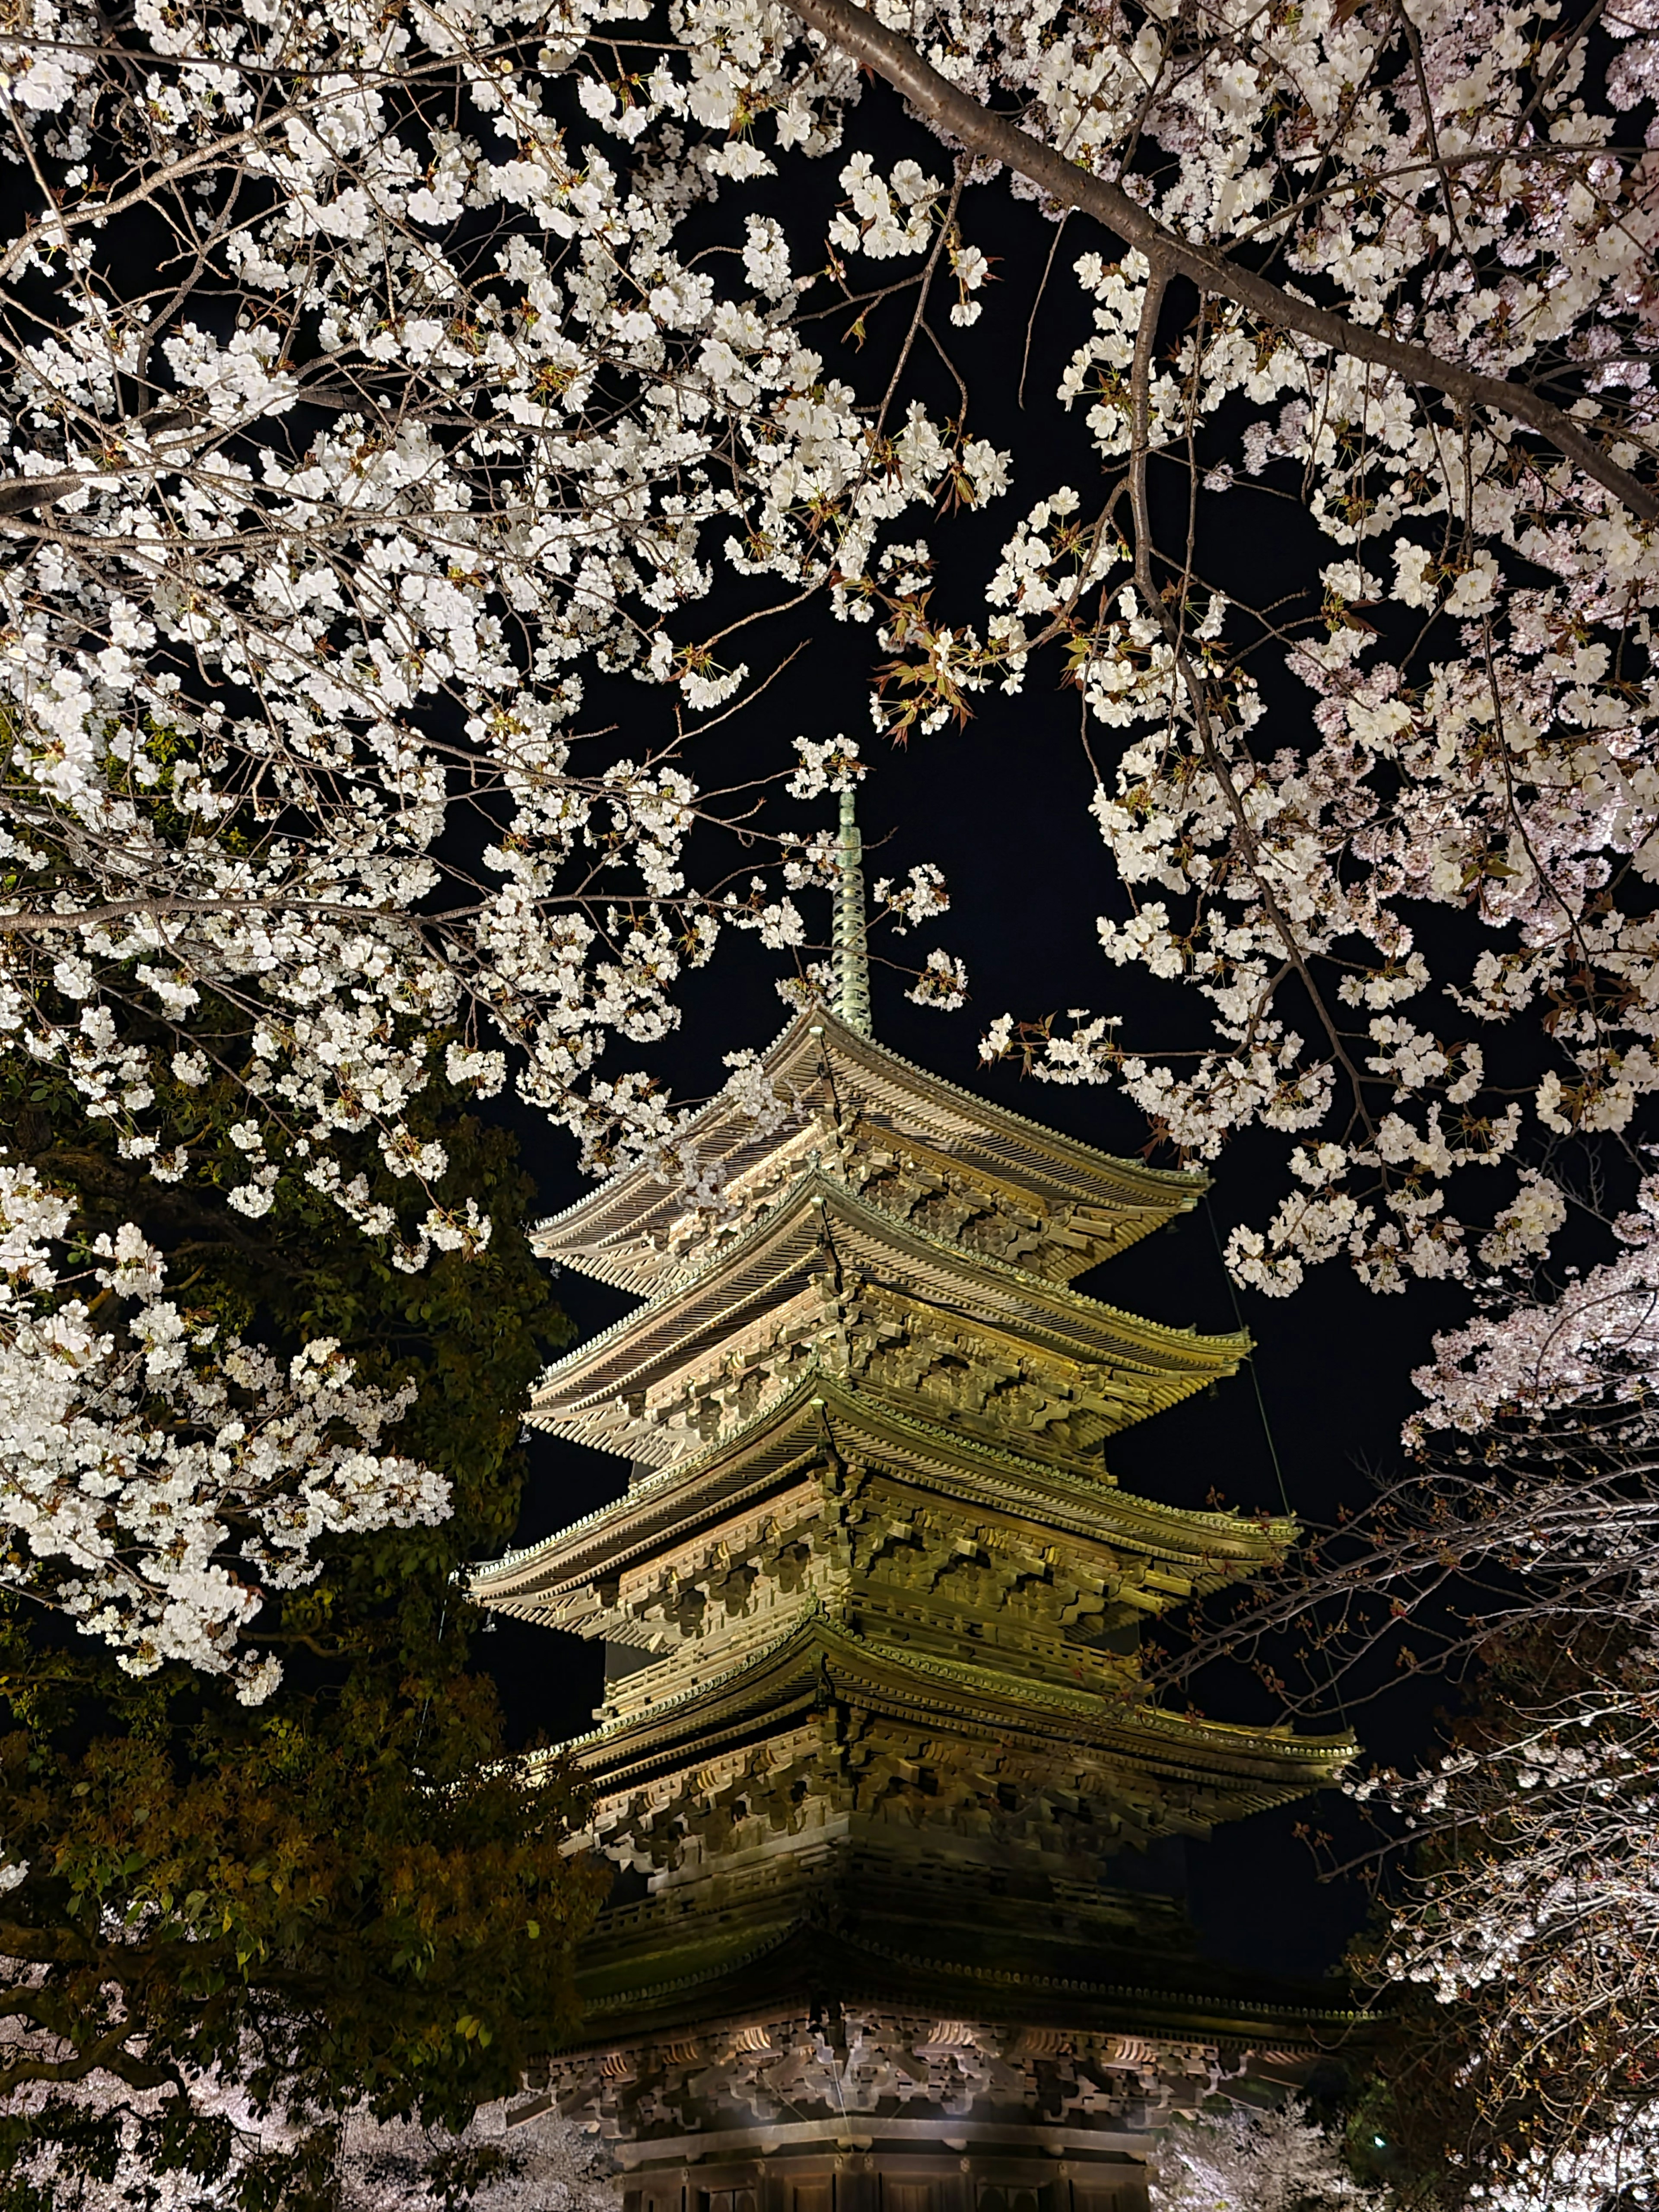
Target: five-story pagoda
{"x": 888, "y": 1805}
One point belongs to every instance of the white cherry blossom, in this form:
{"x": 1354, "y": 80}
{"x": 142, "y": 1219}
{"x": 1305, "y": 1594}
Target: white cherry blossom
{"x": 159, "y": 1473}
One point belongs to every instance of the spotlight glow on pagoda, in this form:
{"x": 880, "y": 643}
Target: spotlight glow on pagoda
{"x": 893, "y": 1814}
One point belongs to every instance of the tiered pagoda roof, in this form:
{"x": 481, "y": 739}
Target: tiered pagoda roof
{"x": 1063, "y": 1202}
{"x": 872, "y": 1601}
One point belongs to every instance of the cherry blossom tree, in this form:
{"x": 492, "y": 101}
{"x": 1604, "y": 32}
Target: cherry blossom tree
{"x": 1516, "y": 1555}
{"x": 1246, "y": 2160}
{"x": 387, "y": 425}
{"x": 389, "y": 392}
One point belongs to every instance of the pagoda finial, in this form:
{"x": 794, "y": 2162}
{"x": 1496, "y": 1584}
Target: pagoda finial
{"x": 849, "y": 939}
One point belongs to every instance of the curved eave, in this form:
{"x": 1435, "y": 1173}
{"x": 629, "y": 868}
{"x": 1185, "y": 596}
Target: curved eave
{"x": 676, "y": 1502}
{"x": 606, "y": 1232}
{"x": 674, "y": 1327}
{"x": 1252, "y": 1769}
{"x": 611, "y": 1983}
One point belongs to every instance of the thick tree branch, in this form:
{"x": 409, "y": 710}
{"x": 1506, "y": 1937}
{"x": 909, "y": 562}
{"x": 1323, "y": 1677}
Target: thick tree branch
{"x": 857, "y": 33}
{"x": 22, "y": 495}
{"x": 108, "y": 2054}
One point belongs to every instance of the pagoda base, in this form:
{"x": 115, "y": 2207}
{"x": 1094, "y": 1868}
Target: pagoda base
{"x": 836, "y": 2175}
{"x": 841, "y": 2107}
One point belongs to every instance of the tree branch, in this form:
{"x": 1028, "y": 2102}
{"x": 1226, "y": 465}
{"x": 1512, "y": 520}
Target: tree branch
{"x": 1140, "y": 378}
{"x": 857, "y": 33}
{"x": 22, "y": 495}
{"x": 108, "y": 2054}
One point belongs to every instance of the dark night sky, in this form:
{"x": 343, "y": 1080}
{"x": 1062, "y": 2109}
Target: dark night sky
{"x": 1001, "y": 806}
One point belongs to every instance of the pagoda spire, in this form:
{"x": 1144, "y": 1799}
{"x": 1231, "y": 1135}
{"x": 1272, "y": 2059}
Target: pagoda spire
{"x": 849, "y": 937}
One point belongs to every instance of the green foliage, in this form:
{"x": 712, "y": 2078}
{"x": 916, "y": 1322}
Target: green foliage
{"x": 347, "y": 1893}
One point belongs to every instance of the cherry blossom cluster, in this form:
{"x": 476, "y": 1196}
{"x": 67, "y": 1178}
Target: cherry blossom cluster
{"x": 1598, "y": 1341}
{"x": 1480, "y": 183}
{"x": 1608, "y": 2167}
{"x": 425, "y": 418}
{"x": 1244, "y": 2158}
{"x": 540, "y": 2163}
{"x": 1510, "y": 783}
{"x": 1542, "y": 1910}
{"x": 1577, "y": 1800}
{"x": 160, "y": 1476}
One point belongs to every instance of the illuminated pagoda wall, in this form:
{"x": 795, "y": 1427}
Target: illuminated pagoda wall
{"x": 888, "y": 1933}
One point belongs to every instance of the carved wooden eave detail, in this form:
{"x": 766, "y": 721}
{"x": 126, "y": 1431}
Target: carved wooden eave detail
{"x": 838, "y": 1089}
{"x": 825, "y": 1271}
{"x": 572, "y": 1580}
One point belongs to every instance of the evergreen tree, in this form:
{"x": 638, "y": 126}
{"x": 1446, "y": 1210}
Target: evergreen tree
{"x": 230, "y": 1925}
